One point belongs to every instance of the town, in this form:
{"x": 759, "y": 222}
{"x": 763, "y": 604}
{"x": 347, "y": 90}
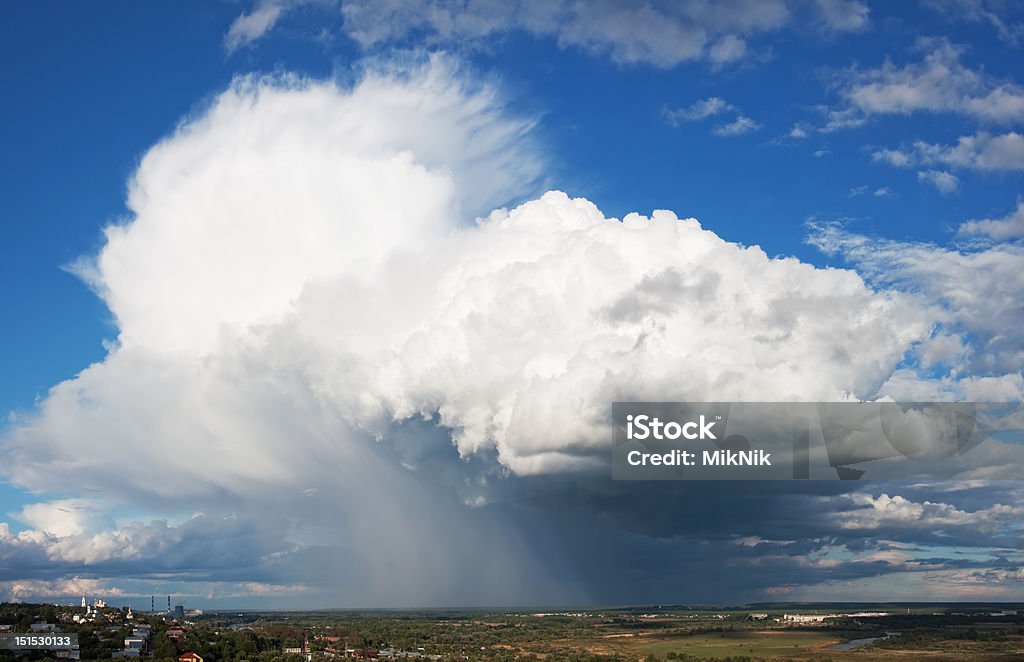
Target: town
{"x": 774, "y": 632}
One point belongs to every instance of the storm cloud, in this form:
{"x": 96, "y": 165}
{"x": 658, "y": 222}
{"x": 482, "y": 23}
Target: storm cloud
{"x": 358, "y": 379}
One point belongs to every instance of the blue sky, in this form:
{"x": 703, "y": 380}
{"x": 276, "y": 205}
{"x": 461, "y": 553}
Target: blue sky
{"x": 825, "y": 131}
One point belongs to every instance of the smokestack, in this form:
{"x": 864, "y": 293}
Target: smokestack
{"x": 152, "y": 604}
{"x": 168, "y": 604}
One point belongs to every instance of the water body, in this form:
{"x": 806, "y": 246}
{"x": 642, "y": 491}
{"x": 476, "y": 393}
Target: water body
{"x": 854, "y": 644}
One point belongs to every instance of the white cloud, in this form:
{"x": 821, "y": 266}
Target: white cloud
{"x": 659, "y": 33}
{"x": 515, "y": 335}
{"x": 381, "y": 160}
{"x": 175, "y": 549}
{"x": 65, "y": 517}
{"x": 981, "y": 151}
{"x": 122, "y": 591}
{"x": 939, "y": 83}
{"x": 844, "y": 118}
{"x": 1010, "y": 226}
{"x": 943, "y": 181}
{"x": 880, "y": 192}
{"x": 663, "y": 34}
{"x": 286, "y": 190}
{"x": 20, "y": 590}
{"x": 737, "y": 127}
{"x": 942, "y": 350}
{"x": 249, "y": 27}
{"x": 884, "y": 511}
{"x": 729, "y": 48}
{"x": 978, "y": 292}
{"x": 710, "y": 107}
{"x": 698, "y": 110}
{"x": 292, "y": 243}
{"x": 844, "y": 15}
{"x": 894, "y": 157}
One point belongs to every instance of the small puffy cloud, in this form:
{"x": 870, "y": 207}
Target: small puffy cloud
{"x": 880, "y": 192}
{"x": 845, "y": 118}
{"x": 944, "y": 182}
{"x": 844, "y": 15}
{"x": 698, "y": 110}
{"x": 1010, "y": 226}
{"x": 737, "y": 127}
{"x": 939, "y": 83}
{"x": 710, "y": 107}
{"x": 250, "y": 26}
{"x": 981, "y": 151}
{"x": 893, "y": 157}
{"x": 729, "y": 48}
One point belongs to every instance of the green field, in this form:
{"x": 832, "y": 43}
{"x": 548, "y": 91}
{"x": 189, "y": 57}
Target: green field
{"x": 750, "y": 643}
{"x": 804, "y": 645}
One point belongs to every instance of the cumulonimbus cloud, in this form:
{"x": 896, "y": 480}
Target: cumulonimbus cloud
{"x": 317, "y": 237}
{"x": 302, "y": 275}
